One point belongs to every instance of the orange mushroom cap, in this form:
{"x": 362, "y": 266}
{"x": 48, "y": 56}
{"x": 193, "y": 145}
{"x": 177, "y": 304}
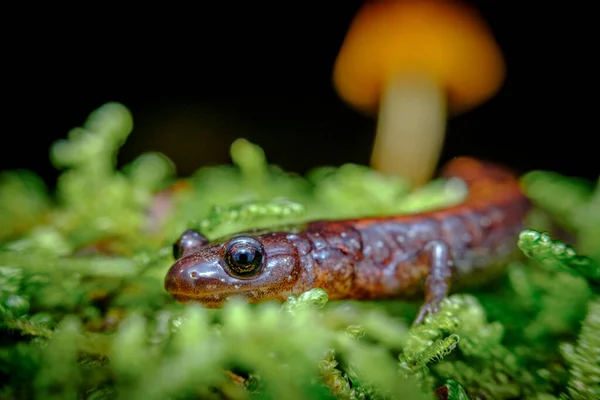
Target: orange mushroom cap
{"x": 446, "y": 40}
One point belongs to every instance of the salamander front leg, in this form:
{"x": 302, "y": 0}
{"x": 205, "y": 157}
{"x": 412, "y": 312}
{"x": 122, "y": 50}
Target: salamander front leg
{"x": 435, "y": 254}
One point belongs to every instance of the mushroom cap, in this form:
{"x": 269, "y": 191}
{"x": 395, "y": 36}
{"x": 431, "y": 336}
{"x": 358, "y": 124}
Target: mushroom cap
{"x": 446, "y": 40}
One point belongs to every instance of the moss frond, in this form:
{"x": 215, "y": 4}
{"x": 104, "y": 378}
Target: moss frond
{"x": 574, "y": 202}
{"x": 24, "y": 202}
{"x": 220, "y": 222}
{"x": 584, "y": 358}
{"x": 557, "y": 254}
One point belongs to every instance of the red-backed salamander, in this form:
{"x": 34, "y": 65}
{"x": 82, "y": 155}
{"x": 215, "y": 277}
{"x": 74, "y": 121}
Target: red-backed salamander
{"x": 363, "y": 258}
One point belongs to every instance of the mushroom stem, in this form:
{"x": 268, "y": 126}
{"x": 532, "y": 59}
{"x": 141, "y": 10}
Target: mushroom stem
{"x": 410, "y": 128}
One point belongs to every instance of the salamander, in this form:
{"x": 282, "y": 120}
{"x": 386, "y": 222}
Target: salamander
{"x": 370, "y": 258}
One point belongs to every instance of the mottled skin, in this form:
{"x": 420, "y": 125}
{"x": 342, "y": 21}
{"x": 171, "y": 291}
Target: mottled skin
{"x": 368, "y": 258}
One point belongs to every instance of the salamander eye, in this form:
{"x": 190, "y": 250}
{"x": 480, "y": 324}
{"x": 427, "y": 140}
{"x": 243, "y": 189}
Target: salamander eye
{"x": 188, "y": 242}
{"x": 244, "y": 256}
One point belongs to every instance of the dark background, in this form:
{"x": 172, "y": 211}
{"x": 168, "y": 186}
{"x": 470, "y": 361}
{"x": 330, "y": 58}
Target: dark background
{"x": 198, "y": 77}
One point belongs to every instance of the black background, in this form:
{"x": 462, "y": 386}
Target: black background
{"x": 198, "y": 76}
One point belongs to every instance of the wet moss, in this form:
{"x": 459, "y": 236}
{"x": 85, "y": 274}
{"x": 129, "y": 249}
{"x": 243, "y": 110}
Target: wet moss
{"x": 84, "y": 313}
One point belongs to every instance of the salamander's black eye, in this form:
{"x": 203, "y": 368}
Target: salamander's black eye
{"x": 244, "y": 256}
{"x": 188, "y": 242}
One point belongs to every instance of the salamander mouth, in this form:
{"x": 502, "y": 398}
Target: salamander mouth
{"x": 217, "y": 300}
{"x": 211, "y": 301}
{"x": 214, "y": 300}
{"x": 211, "y": 293}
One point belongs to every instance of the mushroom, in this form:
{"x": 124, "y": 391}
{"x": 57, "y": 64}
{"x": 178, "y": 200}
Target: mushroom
{"x": 414, "y": 62}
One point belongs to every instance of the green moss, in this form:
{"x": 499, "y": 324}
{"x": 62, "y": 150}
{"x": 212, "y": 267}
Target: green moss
{"x": 84, "y": 313}
{"x": 23, "y": 202}
{"x": 584, "y": 358}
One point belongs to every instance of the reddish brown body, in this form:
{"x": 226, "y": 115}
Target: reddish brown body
{"x": 366, "y": 258}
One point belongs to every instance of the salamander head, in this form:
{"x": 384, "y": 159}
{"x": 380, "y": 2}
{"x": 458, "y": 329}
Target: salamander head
{"x": 256, "y": 267}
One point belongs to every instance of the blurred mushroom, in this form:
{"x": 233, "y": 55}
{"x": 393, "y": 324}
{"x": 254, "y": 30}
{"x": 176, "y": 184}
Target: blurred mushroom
{"x": 414, "y": 62}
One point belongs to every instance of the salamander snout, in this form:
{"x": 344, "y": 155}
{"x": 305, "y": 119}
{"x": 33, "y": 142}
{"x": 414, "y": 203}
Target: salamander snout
{"x": 195, "y": 278}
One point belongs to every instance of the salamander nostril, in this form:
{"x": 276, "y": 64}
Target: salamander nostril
{"x": 193, "y": 274}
